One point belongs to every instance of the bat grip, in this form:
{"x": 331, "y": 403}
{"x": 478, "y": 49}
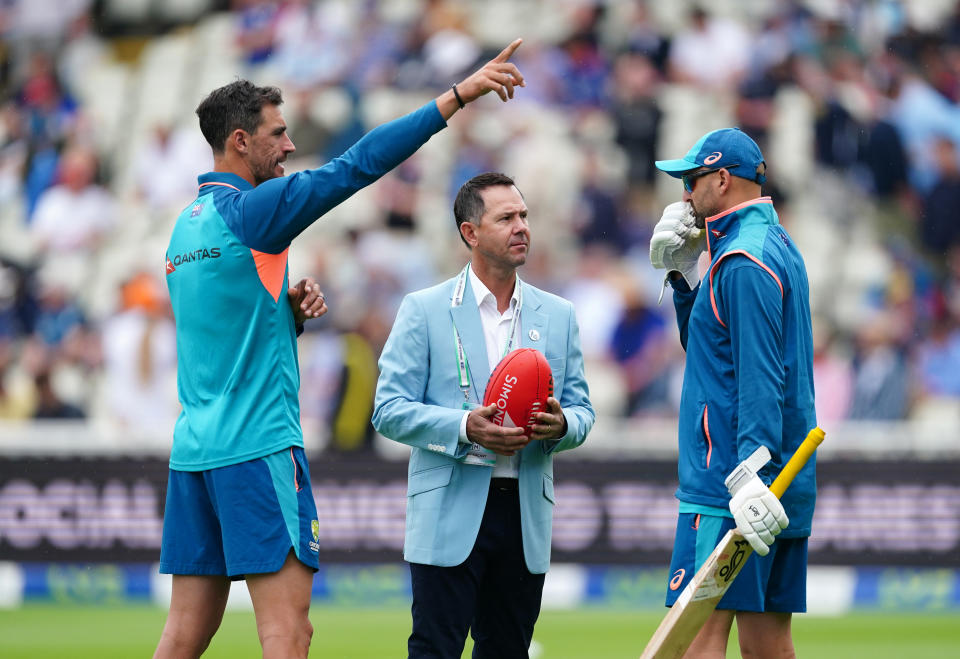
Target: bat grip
{"x": 795, "y": 464}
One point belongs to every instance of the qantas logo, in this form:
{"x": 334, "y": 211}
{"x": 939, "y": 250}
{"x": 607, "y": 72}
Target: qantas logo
{"x": 718, "y": 234}
{"x": 193, "y": 256}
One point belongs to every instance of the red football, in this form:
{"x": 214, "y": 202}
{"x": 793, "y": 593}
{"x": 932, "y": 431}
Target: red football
{"x": 519, "y": 386}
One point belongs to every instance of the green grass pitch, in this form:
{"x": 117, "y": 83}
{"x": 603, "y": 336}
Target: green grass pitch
{"x": 104, "y": 632}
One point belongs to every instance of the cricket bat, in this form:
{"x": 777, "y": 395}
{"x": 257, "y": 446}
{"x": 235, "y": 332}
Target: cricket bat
{"x": 698, "y": 600}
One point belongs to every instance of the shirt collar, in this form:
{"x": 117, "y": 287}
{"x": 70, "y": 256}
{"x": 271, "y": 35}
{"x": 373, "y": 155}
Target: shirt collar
{"x": 720, "y": 225}
{"x": 480, "y": 291}
{"x": 225, "y": 177}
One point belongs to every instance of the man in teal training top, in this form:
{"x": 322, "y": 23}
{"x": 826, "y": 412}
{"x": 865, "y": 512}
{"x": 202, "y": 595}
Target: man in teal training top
{"x": 239, "y": 503}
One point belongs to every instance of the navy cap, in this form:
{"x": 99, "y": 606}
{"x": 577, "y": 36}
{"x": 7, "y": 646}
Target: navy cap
{"x": 721, "y": 148}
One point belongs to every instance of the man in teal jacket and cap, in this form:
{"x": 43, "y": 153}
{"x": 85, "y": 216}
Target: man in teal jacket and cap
{"x": 747, "y": 387}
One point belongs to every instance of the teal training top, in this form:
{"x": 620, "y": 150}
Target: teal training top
{"x": 226, "y": 267}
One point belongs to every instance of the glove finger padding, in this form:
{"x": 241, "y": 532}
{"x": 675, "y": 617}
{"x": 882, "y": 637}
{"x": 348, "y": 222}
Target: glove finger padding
{"x": 746, "y": 530}
{"x": 778, "y": 516}
{"x": 672, "y": 224}
{"x": 759, "y": 514}
{"x": 662, "y": 246}
{"x": 681, "y": 213}
{"x": 676, "y": 243}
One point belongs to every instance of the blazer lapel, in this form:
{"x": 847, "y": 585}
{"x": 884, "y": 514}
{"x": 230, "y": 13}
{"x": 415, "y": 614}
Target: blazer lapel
{"x": 466, "y": 318}
{"x": 533, "y": 322}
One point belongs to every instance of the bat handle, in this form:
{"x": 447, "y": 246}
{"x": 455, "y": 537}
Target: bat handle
{"x": 795, "y": 464}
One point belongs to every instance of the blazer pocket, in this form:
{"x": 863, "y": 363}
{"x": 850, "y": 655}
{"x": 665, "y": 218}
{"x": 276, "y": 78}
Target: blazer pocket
{"x": 548, "y": 489}
{"x": 429, "y": 479}
{"x": 558, "y": 366}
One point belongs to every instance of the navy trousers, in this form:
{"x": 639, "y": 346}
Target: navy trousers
{"x": 491, "y": 594}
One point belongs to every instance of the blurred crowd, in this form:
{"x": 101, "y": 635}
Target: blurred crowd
{"x": 854, "y": 102}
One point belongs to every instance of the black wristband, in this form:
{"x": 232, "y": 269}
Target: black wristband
{"x": 457, "y": 95}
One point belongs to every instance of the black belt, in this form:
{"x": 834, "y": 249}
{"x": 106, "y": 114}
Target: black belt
{"x": 505, "y": 484}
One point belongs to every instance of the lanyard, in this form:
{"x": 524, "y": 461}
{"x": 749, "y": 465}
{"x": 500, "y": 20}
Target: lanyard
{"x": 463, "y": 366}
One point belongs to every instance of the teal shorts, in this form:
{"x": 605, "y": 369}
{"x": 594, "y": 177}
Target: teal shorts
{"x": 240, "y": 519}
{"x": 776, "y": 582}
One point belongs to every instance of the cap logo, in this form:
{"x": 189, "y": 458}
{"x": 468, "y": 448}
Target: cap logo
{"x": 712, "y": 158}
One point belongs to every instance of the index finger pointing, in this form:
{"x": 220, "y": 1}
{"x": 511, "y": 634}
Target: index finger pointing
{"x": 508, "y": 51}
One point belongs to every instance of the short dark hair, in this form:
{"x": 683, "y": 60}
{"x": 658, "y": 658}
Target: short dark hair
{"x": 233, "y": 106}
{"x": 468, "y": 206}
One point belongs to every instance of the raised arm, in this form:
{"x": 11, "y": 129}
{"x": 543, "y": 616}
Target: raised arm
{"x": 498, "y": 75}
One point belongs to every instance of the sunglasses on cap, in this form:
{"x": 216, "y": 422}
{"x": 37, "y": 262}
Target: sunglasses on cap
{"x": 689, "y": 180}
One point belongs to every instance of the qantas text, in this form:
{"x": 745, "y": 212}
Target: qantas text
{"x": 196, "y": 255}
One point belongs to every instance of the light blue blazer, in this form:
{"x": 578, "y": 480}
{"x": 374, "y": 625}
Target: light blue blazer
{"x": 419, "y": 403}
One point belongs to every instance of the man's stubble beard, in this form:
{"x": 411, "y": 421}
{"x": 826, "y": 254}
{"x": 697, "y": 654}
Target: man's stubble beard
{"x": 699, "y": 219}
{"x": 700, "y": 216}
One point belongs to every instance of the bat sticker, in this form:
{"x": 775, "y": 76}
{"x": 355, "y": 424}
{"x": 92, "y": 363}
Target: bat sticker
{"x": 729, "y": 571}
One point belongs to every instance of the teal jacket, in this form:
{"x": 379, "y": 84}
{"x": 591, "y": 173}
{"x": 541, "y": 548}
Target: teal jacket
{"x": 419, "y": 403}
{"x": 749, "y": 369}
{"x": 226, "y": 265}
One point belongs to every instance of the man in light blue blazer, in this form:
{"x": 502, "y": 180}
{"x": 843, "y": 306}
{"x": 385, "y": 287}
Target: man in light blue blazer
{"x": 480, "y": 497}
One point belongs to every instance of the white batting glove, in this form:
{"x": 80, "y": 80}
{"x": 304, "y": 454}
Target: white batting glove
{"x": 756, "y": 510}
{"x": 676, "y": 243}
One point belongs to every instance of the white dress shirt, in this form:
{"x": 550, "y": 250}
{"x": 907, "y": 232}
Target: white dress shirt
{"x": 496, "y": 327}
